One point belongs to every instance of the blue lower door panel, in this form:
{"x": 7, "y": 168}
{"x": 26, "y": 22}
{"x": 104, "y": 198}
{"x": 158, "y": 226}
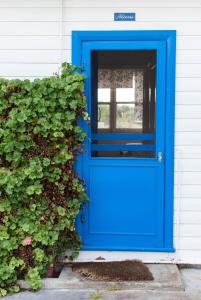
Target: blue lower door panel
{"x": 125, "y": 209}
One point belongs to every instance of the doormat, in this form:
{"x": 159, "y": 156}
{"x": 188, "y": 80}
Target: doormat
{"x": 129, "y": 270}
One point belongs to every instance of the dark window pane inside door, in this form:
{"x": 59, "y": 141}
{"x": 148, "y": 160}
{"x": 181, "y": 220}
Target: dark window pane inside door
{"x": 123, "y": 100}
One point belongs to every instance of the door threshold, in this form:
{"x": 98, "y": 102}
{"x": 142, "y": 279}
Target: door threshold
{"x": 146, "y": 257}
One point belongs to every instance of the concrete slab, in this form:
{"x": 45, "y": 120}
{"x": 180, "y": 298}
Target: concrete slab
{"x": 146, "y": 295}
{"x": 191, "y": 279}
{"x": 166, "y": 277}
{"x": 99, "y": 295}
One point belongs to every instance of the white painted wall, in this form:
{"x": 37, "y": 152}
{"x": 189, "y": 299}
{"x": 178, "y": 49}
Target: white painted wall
{"x": 35, "y": 37}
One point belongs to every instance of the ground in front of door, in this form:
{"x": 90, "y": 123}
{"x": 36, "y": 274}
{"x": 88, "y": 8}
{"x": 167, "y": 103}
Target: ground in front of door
{"x": 169, "y": 283}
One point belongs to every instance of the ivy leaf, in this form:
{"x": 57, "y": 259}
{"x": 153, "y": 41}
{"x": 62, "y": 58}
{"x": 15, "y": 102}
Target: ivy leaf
{"x": 34, "y": 189}
{"x": 61, "y": 211}
{"x": 5, "y": 205}
{"x": 33, "y": 278}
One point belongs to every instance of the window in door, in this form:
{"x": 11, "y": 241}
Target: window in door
{"x": 123, "y": 103}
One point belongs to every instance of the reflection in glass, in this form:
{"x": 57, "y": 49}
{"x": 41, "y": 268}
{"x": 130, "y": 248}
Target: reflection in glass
{"x": 103, "y": 116}
{"x": 128, "y": 116}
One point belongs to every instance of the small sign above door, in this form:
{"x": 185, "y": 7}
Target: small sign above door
{"x": 124, "y": 16}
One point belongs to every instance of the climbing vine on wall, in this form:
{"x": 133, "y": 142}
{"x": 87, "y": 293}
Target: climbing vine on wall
{"x": 40, "y": 193}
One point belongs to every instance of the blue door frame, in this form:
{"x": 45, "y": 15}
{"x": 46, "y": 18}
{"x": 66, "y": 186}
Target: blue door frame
{"x": 83, "y": 42}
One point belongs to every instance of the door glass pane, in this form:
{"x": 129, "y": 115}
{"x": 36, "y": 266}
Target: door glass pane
{"x": 125, "y": 94}
{"x": 103, "y": 116}
{"x": 125, "y": 116}
{"x": 123, "y": 100}
{"x": 103, "y": 95}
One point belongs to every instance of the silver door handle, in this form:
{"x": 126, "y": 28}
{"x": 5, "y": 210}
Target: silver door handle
{"x": 160, "y": 156}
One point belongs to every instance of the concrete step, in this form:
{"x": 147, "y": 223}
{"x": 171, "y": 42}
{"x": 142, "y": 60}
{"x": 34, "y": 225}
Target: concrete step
{"x": 166, "y": 277}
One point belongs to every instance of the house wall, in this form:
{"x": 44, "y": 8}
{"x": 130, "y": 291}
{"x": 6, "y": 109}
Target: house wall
{"x": 35, "y": 37}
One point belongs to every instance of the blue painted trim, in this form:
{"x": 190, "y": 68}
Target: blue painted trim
{"x": 90, "y": 248}
{"x": 77, "y": 60}
{"x": 169, "y": 139}
{"x": 123, "y": 136}
{"x": 120, "y": 35}
{"x": 169, "y": 37}
{"x": 121, "y": 147}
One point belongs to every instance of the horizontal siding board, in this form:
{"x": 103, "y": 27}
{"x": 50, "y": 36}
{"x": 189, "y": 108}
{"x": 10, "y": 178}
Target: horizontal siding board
{"x": 187, "y": 230}
{"x": 188, "y": 97}
{"x": 189, "y": 256}
{"x": 101, "y": 4}
{"x": 188, "y": 139}
{"x": 189, "y": 243}
{"x": 191, "y": 125}
{"x": 29, "y": 28}
{"x": 189, "y": 165}
{"x": 188, "y": 111}
{"x": 184, "y": 70}
{"x": 128, "y": 3}
{"x": 189, "y": 42}
{"x": 187, "y": 177}
{"x": 188, "y": 84}
{"x": 29, "y": 14}
{"x": 190, "y": 204}
{"x": 91, "y": 14}
{"x": 30, "y": 3}
{"x": 182, "y": 152}
{"x": 190, "y": 217}
{"x": 30, "y": 42}
{"x": 188, "y": 191}
{"x": 28, "y": 70}
{"x": 189, "y": 56}
{"x": 21, "y": 57}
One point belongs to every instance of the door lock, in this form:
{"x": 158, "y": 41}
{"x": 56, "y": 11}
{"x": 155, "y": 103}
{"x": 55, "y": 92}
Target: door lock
{"x": 160, "y": 156}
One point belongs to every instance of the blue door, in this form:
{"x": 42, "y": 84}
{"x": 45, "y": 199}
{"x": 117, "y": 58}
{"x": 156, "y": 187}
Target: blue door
{"x": 123, "y": 165}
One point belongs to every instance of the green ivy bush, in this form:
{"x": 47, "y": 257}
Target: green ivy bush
{"x": 40, "y": 193}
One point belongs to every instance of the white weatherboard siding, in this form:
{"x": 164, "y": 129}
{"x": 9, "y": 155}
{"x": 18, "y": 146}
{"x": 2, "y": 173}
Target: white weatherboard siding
{"x": 35, "y": 37}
